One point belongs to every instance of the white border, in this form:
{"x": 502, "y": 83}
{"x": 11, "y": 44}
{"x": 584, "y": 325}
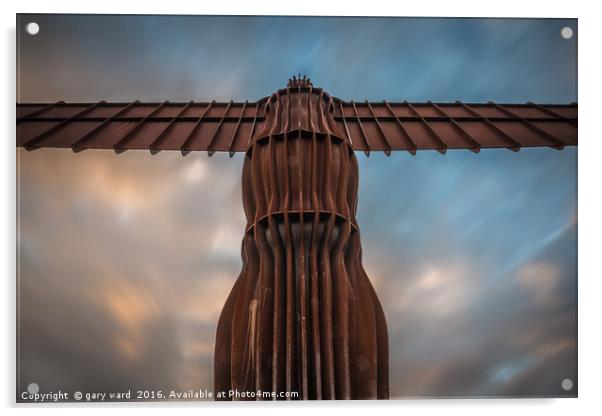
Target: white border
{"x": 590, "y": 209}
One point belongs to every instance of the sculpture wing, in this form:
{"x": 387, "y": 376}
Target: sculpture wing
{"x": 407, "y": 126}
{"x": 229, "y": 126}
{"x": 187, "y": 126}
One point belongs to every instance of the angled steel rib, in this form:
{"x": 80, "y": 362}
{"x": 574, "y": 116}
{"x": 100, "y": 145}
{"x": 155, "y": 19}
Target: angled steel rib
{"x": 345, "y": 124}
{"x": 76, "y": 146}
{"x": 380, "y": 129}
{"x": 515, "y": 146}
{"x": 559, "y": 143}
{"x": 32, "y": 143}
{"x": 153, "y": 148}
{"x": 406, "y": 135}
{"x": 210, "y": 151}
{"x": 118, "y": 147}
{"x": 443, "y": 146}
{"x": 364, "y": 135}
{"x": 552, "y": 113}
{"x": 39, "y": 111}
{"x": 231, "y": 142}
{"x": 476, "y": 145}
{"x": 252, "y": 132}
{"x": 184, "y": 148}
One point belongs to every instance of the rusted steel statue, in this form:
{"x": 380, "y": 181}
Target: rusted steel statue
{"x": 302, "y": 316}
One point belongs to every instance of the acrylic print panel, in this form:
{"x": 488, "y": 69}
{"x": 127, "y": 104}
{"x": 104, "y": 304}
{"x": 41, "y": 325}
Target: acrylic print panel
{"x": 132, "y": 280}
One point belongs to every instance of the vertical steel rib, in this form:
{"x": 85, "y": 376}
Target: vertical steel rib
{"x": 250, "y": 339}
{"x": 277, "y": 124}
{"x": 321, "y": 125}
{"x": 277, "y": 327}
{"x": 290, "y": 276}
{"x": 262, "y": 284}
{"x": 303, "y": 342}
{"x": 299, "y": 107}
{"x": 327, "y": 295}
{"x": 287, "y": 118}
{"x": 343, "y": 300}
{"x": 310, "y": 122}
{"x": 314, "y": 270}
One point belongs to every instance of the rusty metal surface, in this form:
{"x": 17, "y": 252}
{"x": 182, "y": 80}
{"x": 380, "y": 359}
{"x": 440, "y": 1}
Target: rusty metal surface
{"x": 302, "y": 316}
{"x": 233, "y": 126}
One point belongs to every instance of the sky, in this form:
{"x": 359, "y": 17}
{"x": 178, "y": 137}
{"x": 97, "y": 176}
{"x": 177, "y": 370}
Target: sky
{"x": 125, "y": 261}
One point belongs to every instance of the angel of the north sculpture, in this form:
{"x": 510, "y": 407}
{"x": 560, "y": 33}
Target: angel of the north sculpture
{"x": 302, "y": 315}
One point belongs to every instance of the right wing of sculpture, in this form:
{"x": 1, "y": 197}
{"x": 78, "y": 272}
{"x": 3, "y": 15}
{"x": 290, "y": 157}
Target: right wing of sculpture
{"x": 407, "y": 126}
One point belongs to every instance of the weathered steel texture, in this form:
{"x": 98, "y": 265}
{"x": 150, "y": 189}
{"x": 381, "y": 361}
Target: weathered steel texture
{"x": 231, "y": 127}
{"x": 407, "y": 126}
{"x": 302, "y": 316}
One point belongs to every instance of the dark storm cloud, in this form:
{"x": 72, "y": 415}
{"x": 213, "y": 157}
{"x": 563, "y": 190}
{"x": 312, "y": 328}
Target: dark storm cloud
{"x": 125, "y": 261}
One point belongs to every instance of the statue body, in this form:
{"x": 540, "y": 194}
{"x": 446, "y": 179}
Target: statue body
{"x": 302, "y": 316}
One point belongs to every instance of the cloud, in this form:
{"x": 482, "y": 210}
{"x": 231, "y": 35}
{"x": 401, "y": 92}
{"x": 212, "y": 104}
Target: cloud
{"x": 541, "y": 278}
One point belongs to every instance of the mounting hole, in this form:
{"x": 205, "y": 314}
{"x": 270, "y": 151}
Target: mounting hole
{"x": 32, "y": 28}
{"x": 567, "y": 384}
{"x": 566, "y": 32}
{"x": 33, "y": 388}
